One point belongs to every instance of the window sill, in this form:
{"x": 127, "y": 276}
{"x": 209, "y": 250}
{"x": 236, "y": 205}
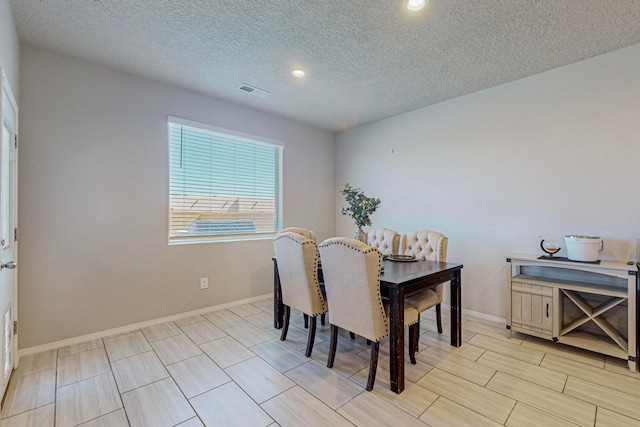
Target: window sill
{"x": 221, "y": 239}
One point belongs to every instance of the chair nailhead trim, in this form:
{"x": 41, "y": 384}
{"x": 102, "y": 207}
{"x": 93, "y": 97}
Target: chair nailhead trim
{"x": 306, "y": 241}
{"x": 372, "y": 249}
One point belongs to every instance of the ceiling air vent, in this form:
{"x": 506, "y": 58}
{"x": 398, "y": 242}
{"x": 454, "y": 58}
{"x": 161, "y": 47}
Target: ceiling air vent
{"x": 253, "y": 90}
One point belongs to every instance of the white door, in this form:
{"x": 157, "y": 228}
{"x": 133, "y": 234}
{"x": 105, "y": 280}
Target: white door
{"x": 8, "y": 232}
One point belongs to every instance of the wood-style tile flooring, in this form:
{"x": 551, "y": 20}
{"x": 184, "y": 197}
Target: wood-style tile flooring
{"x": 229, "y": 368}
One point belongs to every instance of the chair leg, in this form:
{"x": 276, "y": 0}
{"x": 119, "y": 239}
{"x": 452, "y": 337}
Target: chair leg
{"x": 418, "y": 338}
{"x": 373, "y": 365}
{"x": 306, "y": 321}
{"x": 414, "y": 333}
{"x": 312, "y": 336}
{"x": 323, "y": 316}
{"x": 285, "y": 323}
{"x": 332, "y": 346}
{"x": 439, "y": 318}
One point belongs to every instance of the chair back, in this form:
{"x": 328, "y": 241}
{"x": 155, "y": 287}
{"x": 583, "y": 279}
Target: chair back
{"x": 387, "y": 241}
{"x": 425, "y": 244}
{"x": 297, "y": 258}
{"x": 309, "y": 234}
{"x": 352, "y": 283}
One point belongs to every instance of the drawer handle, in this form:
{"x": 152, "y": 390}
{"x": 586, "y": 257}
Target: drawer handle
{"x": 547, "y": 309}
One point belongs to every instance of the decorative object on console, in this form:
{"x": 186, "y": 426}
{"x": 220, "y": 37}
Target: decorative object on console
{"x": 360, "y": 209}
{"x": 583, "y": 248}
{"x": 550, "y": 247}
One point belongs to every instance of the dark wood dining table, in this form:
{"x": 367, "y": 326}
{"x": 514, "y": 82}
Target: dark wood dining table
{"x": 397, "y": 281}
{"x": 401, "y": 279}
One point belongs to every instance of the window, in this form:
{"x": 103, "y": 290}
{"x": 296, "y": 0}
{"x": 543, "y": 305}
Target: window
{"x": 223, "y": 185}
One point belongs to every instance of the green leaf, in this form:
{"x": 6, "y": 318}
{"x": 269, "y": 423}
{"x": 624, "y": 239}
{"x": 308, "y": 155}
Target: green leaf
{"x": 360, "y": 207}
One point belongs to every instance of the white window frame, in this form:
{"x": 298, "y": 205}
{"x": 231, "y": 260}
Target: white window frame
{"x": 237, "y": 136}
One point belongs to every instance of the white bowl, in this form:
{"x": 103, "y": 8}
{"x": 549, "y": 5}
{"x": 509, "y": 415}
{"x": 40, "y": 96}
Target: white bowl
{"x": 583, "y": 248}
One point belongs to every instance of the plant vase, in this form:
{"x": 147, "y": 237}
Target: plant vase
{"x": 360, "y": 209}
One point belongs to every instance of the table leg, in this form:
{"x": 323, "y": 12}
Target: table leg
{"x": 456, "y": 309}
{"x": 396, "y": 339}
{"x": 278, "y": 307}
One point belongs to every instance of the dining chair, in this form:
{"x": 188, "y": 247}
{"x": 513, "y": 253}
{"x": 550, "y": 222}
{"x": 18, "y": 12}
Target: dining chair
{"x": 432, "y": 246}
{"x": 352, "y": 282}
{"x": 297, "y": 258}
{"x": 387, "y": 241}
{"x": 309, "y": 234}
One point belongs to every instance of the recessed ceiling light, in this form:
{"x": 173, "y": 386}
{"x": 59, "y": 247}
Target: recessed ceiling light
{"x": 298, "y": 73}
{"x": 415, "y": 5}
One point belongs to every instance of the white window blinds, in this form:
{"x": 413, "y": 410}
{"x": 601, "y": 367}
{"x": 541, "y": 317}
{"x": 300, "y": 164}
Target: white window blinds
{"x": 222, "y": 185}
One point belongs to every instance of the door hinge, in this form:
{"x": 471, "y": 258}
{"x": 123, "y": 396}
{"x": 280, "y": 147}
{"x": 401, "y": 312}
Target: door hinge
{"x": 15, "y": 327}
{"x": 15, "y": 137}
{"x": 15, "y": 234}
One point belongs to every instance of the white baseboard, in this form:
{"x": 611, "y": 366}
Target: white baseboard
{"x": 476, "y": 314}
{"x": 129, "y": 328}
{"x": 484, "y": 316}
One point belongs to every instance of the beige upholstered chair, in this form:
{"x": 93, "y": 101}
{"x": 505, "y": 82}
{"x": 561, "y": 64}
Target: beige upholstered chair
{"x": 309, "y": 234}
{"x": 352, "y": 282}
{"x": 432, "y": 246}
{"x": 385, "y": 240}
{"x": 298, "y": 269}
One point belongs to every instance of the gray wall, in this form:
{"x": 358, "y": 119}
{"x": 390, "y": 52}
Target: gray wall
{"x": 9, "y": 46}
{"x": 93, "y": 200}
{"x": 553, "y": 154}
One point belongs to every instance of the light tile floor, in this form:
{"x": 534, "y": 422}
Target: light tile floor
{"x": 228, "y": 368}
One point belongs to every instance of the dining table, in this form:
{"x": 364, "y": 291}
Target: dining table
{"x": 398, "y": 280}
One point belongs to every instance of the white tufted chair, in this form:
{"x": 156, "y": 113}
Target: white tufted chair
{"x": 432, "y": 246}
{"x": 298, "y": 269}
{"x": 385, "y": 240}
{"x": 352, "y": 282}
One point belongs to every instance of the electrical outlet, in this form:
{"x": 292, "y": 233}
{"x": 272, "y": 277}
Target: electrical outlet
{"x": 204, "y": 282}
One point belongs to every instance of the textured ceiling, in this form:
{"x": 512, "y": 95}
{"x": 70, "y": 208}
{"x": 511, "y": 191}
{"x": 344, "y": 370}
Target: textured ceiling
{"x": 365, "y": 59}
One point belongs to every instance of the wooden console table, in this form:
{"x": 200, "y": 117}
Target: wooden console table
{"x": 586, "y": 305}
